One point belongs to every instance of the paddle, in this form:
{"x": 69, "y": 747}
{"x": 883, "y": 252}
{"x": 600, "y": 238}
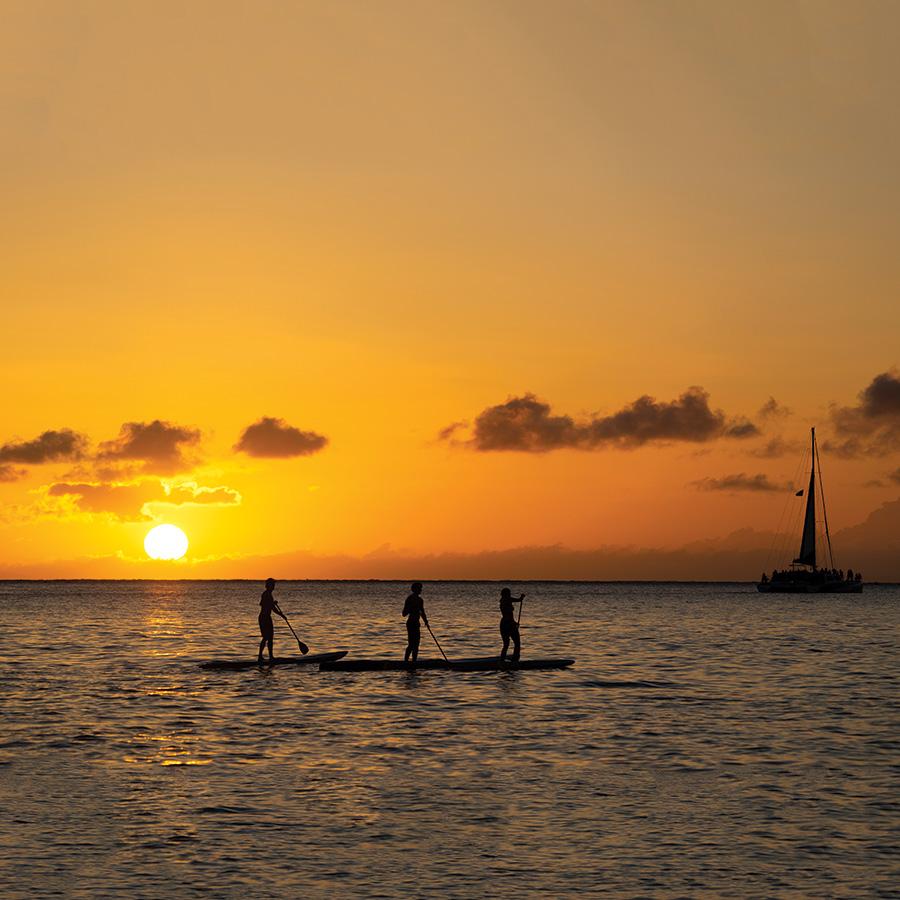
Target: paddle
{"x": 436, "y": 641}
{"x": 303, "y": 648}
{"x": 521, "y": 604}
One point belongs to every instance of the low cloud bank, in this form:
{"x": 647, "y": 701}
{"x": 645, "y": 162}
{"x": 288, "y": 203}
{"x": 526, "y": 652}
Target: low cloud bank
{"x": 872, "y": 547}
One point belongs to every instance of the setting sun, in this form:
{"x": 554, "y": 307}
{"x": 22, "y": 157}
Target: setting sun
{"x": 166, "y": 542}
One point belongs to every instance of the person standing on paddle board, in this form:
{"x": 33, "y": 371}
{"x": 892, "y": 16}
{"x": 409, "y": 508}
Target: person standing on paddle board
{"x": 509, "y": 627}
{"x": 413, "y": 609}
{"x": 268, "y": 605}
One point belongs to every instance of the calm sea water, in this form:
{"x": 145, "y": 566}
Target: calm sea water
{"x": 709, "y": 741}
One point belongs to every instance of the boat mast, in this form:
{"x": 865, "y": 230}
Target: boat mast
{"x": 818, "y": 463}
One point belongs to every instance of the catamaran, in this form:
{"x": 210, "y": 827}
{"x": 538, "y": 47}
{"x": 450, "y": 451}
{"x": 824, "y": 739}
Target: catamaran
{"x": 804, "y": 575}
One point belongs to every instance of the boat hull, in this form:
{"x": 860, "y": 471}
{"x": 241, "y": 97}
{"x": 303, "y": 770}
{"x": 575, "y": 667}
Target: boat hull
{"x": 810, "y": 587}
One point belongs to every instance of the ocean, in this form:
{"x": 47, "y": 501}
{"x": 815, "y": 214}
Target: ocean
{"x": 709, "y": 741}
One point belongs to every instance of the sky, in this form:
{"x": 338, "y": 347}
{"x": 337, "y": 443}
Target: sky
{"x": 488, "y": 288}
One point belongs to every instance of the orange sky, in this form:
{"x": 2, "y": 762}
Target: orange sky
{"x": 371, "y": 221}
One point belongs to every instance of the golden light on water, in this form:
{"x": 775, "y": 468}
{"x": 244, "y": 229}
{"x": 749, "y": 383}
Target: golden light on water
{"x": 166, "y": 542}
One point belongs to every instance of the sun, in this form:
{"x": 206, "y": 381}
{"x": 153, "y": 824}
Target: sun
{"x": 166, "y": 542}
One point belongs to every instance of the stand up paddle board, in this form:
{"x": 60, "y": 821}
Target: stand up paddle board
{"x": 480, "y": 664}
{"x": 238, "y": 664}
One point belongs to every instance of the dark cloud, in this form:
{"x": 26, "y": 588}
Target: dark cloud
{"x": 274, "y": 438}
{"x": 772, "y": 409}
{"x": 741, "y": 428}
{"x": 158, "y": 446}
{"x": 524, "y": 423}
{"x": 130, "y": 502}
{"x": 51, "y": 446}
{"x": 10, "y": 473}
{"x": 872, "y": 427}
{"x": 739, "y": 482}
{"x": 895, "y": 476}
{"x": 527, "y": 424}
{"x": 882, "y": 397}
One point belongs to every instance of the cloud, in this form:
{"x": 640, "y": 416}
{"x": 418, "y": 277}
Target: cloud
{"x": 895, "y": 476}
{"x": 124, "y": 501}
{"x": 131, "y": 501}
{"x": 50, "y": 446}
{"x": 775, "y": 448}
{"x": 10, "y": 473}
{"x": 772, "y": 409}
{"x": 447, "y": 434}
{"x": 189, "y": 492}
{"x": 527, "y": 424}
{"x": 872, "y": 427}
{"x": 741, "y": 428}
{"x": 739, "y": 482}
{"x": 274, "y": 438}
{"x": 158, "y": 446}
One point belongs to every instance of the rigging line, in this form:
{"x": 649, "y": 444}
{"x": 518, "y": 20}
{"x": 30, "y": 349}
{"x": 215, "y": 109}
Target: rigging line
{"x": 776, "y": 539}
{"x": 779, "y": 544}
{"x": 822, "y": 494}
{"x": 794, "y": 510}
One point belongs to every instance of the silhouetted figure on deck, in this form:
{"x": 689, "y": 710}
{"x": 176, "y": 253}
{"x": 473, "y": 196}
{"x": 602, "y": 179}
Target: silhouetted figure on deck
{"x": 268, "y": 605}
{"x": 509, "y": 627}
{"x": 413, "y": 610}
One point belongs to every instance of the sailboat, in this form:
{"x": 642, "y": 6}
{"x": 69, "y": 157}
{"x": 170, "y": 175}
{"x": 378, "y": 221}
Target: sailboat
{"x": 804, "y": 575}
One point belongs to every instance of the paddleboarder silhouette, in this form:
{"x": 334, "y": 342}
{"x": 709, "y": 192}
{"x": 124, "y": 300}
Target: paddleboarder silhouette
{"x": 267, "y": 606}
{"x": 413, "y": 609}
{"x": 509, "y": 627}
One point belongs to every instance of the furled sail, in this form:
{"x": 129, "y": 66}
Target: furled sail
{"x": 807, "y": 555}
